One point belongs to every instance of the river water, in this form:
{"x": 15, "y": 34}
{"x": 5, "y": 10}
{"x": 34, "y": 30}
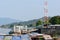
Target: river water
{"x": 6, "y": 31}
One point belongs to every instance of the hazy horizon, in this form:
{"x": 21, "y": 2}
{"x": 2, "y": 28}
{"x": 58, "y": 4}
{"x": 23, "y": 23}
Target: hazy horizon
{"x": 27, "y": 9}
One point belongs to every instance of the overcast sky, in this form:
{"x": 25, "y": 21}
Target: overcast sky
{"x": 28, "y": 9}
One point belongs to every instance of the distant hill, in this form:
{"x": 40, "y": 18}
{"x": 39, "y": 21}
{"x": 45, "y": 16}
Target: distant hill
{"x": 30, "y": 22}
{"x": 20, "y": 23}
{"x": 4, "y": 21}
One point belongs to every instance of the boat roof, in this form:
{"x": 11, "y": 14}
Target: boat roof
{"x": 47, "y": 37}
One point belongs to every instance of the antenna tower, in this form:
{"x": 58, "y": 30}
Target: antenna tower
{"x": 45, "y": 12}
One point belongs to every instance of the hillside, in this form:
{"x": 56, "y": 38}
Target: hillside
{"x": 28, "y": 23}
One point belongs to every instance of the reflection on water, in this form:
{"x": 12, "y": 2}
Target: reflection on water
{"x": 25, "y": 37}
{"x": 22, "y": 37}
{"x": 7, "y": 37}
{"x": 1, "y": 37}
{"x": 6, "y": 31}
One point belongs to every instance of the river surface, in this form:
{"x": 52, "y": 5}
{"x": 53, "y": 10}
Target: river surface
{"x": 6, "y": 31}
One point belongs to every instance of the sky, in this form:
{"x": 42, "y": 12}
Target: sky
{"x": 28, "y": 9}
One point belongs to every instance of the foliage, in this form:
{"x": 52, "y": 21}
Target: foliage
{"x": 11, "y": 25}
{"x": 29, "y": 25}
{"x": 55, "y": 20}
{"x": 47, "y": 22}
{"x": 39, "y": 23}
{"x": 11, "y": 32}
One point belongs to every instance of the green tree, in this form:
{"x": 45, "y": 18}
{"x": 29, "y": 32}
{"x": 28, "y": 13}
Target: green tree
{"x": 11, "y": 26}
{"x": 29, "y": 25}
{"x": 47, "y": 22}
{"x": 39, "y": 23}
{"x": 55, "y": 20}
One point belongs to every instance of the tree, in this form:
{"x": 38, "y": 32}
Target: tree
{"x": 39, "y": 23}
{"x": 29, "y": 25}
{"x": 11, "y": 26}
{"x": 55, "y": 20}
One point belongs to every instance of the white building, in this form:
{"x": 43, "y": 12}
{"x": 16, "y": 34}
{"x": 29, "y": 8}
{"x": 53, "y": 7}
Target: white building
{"x": 19, "y": 28}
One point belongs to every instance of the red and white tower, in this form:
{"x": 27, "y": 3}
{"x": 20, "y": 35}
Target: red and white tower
{"x": 45, "y": 11}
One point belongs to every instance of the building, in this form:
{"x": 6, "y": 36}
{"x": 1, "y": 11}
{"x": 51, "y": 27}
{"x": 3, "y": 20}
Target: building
{"x": 51, "y": 29}
{"x": 57, "y": 28}
{"x": 19, "y": 28}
